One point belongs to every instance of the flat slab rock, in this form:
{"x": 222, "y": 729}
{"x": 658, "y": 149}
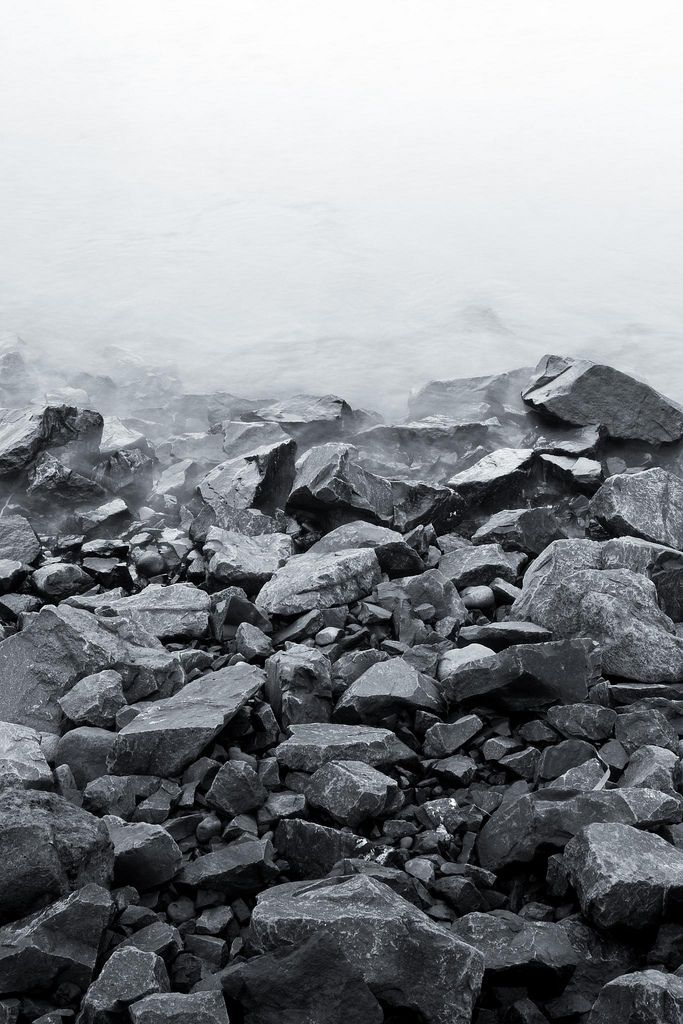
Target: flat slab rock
{"x": 168, "y": 735}
{"x": 308, "y": 582}
{"x": 311, "y": 746}
{"x": 406, "y": 960}
{"x": 168, "y": 612}
{"x": 507, "y": 941}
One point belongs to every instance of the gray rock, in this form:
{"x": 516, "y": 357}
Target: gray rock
{"x": 169, "y": 734}
{"x": 385, "y": 688}
{"x": 180, "y": 1008}
{"x": 18, "y": 540}
{"x": 251, "y": 642}
{"x": 647, "y": 505}
{"x": 128, "y": 975}
{"x": 395, "y": 556}
{"x": 429, "y": 588}
{"x": 351, "y": 791}
{"x": 52, "y": 483}
{"x": 238, "y": 869}
{"x": 510, "y": 942}
{"x": 299, "y": 685}
{"x": 507, "y": 633}
{"x": 583, "y": 721}
{"x": 653, "y": 768}
{"x": 106, "y": 520}
{"x": 248, "y": 562}
{"x": 581, "y": 392}
{"x": 59, "y": 945}
{"x": 94, "y": 700}
{"x": 623, "y": 877}
{"x": 309, "y": 582}
{"x": 474, "y": 398}
{"x": 474, "y": 566}
{"x": 61, "y": 645}
{"x": 177, "y": 611}
{"x": 502, "y": 471}
{"x": 145, "y": 855}
{"x": 260, "y": 479}
{"x": 236, "y": 789}
{"x": 310, "y": 419}
{"x": 330, "y": 482}
{"x": 312, "y": 850}
{"x": 311, "y": 746}
{"x": 549, "y": 818}
{"x": 444, "y": 738}
{"x": 48, "y": 848}
{"x": 58, "y": 580}
{"x": 521, "y": 529}
{"x": 85, "y": 750}
{"x": 526, "y": 675}
{"x": 26, "y": 432}
{"x": 20, "y": 751}
{"x": 644, "y": 997}
{"x": 406, "y": 960}
{"x": 636, "y": 728}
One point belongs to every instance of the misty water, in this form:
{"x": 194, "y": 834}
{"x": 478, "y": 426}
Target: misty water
{"x": 353, "y": 198}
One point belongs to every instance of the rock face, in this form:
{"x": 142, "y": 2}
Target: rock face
{"x": 18, "y": 540}
{"x": 647, "y": 505}
{"x": 394, "y": 555}
{"x": 406, "y": 960}
{"x": 168, "y": 613}
{"x": 581, "y": 392}
{"x": 311, "y": 746}
{"x": 625, "y": 878}
{"x": 260, "y": 479}
{"x": 308, "y": 582}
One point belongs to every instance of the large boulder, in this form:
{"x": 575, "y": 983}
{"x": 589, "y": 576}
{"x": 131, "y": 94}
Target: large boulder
{"x": 521, "y": 529}
{"x": 567, "y": 591}
{"x": 548, "y": 818}
{"x": 475, "y": 399}
{"x": 647, "y": 504}
{"x": 20, "y": 753}
{"x": 581, "y": 392}
{"x": 625, "y": 878}
{"x": 260, "y": 480}
{"x": 59, "y": 646}
{"x": 48, "y": 848}
{"x": 406, "y": 959}
{"x": 310, "y": 582}
{"x": 330, "y": 483}
{"x": 169, "y": 734}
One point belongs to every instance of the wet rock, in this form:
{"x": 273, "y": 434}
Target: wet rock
{"x": 526, "y": 675}
{"x": 106, "y": 520}
{"x": 503, "y": 471}
{"x": 644, "y": 997}
{"x": 129, "y": 975}
{"x": 521, "y": 529}
{"x": 18, "y": 540}
{"x": 647, "y": 505}
{"x": 299, "y": 685}
{"x": 145, "y": 855}
{"x": 240, "y": 868}
{"x": 20, "y": 751}
{"x": 351, "y": 791}
{"x": 95, "y": 700}
{"x": 509, "y": 942}
{"x": 429, "y": 588}
{"x": 417, "y": 502}
{"x": 169, "y": 734}
{"x": 475, "y": 398}
{"x": 623, "y": 877}
{"x": 549, "y": 818}
{"x": 248, "y": 562}
{"x": 26, "y": 432}
{"x": 581, "y": 392}
{"x": 311, "y": 746}
{"x": 53, "y": 483}
{"x": 179, "y": 610}
{"x": 12, "y": 574}
{"x": 180, "y": 1008}
{"x": 395, "y": 556}
{"x": 310, "y": 419}
{"x": 406, "y": 960}
{"x": 330, "y": 483}
{"x": 310, "y": 982}
{"x": 48, "y": 848}
{"x": 261, "y": 479}
{"x": 309, "y": 582}
{"x": 252, "y": 643}
{"x": 56, "y": 946}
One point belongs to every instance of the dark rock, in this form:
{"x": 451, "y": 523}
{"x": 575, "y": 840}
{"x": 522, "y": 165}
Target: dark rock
{"x": 583, "y": 721}
{"x": 260, "y": 480}
{"x": 58, "y": 580}
{"x": 521, "y": 529}
{"x": 647, "y": 505}
{"x": 444, "y": 738}
{"x": 385, "y": 688}
{"x": 94, "y": 700}
{"x": 180, "y": 1008}
{"x": 634, "y": 729}
{"x": 474, "y": 566}
{"x": 309, "y": 582}
{"x": 509, "y": 942}
{"x": 299, "y": 685}
{"x": 311, "y": 746}
{"x": 330, "y": 483}
{"x": 128, "y": 975}
{"x": 240, "y": 868}
{"x": 20, "y": 752}
{"x": 236, "y": 789}
{"x": 248, "y": 562}
{"x": 144, "y": 855}
{"x": 312, "y": 850}
{"x": 26, "y": 432}
{"x": 394, "y": 555}
{"x": 499, "y": 635}
{"x": 18, "y": 540}
{"x": 351, "y": 791}
{"x": 85, "y": 750}
{"x": 173, "y": 612}
{"x": 644, "y": 997}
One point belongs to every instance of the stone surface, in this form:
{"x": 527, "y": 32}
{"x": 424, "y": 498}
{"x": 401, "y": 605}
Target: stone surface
{"x": 330, "y": 482}
{"x": 351, "y": 791}
{"x": 169, "y": 613}
{"x": 386, "y": 687}
{"x": 309, "y": 582}
{"x": 310, "y": 746}
{"x": 248, "y": 562}
{"x": 18, "y": 539}
{"x": 647, "y": 505}
{"x": 180, "y": 1008}
{"x": 643, "y": 997}
{"x": 20, "y": 752}
{"x": 395, "y": 556}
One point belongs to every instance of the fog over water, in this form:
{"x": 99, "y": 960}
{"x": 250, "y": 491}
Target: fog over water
{"x": 288, "y": 195}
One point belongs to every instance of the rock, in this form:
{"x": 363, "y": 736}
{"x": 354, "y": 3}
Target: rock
{"x": 386, "y": 688}
{"x": 455, "y": 659}
{"x": 634, "y": 729}
{"x": 478, "y": 597}
{"x": 311, "y": 982}
{"x": 94, "y": 700}
{"x": 12, "y": 574}
{"x": 145, "y": 855}
{"x": 310, "y": 419}
{"x": 56, "y": 946}
{"x": 351, "y": 791}
{"x": 180, "y": 1008}
{"x": 169, "y": 734}
{"x": 252, "y": 643}
{"x": 330, "y": 483}
{"x": 309, "y": 582}
{"x": 549, "y": 818}
{"x": 417, "y": 502}
{"x": 247, "y": 562}
{"x": 581, "y": 392}
{"x": 106, "y": 520}
{"x": 85, "y": 750}
{"x": 311, "y": 746}
{"x": 647, "y": 505}
{"x": 652, "y": 768}
{"x": 261, "y": 479}
{"x": 240, "y": 868}
{"x": 526, "y": 675}
{"x": 395, "y": 556}
{"x": 501, "y": 472}
{"x": 509, "y": 942}
{"x": 312, "y": 850}
{"x": 429, "y": 588}
{"x": 444, "y": 738}
{"x": 625, "y": 878}
{"x": 299, "y": 685}
{"x": 58, "y": 580}
{"x": 128, "y": 975}
{"x": 644, "y": 997}
{"x": 20, "y": 752}
{"x": 236, "y": 789}
{"x": 564, "y": 756}
{"x": 477, "y": 566}
{"x": 521, "y": 529}
{"x": 565, "y": 592}
{"x": 498, "y": 635}
{"x": 53, "y": 483}
{"x": 475, "y": 398}
{"x": 61, "y": 645}
{"x": 26, "y": 432}
{"x": 18, "y": 540}
{"x": 177, "y": 611}
{"x": 406, "y": 960}
{"x": 583, "y": 721}
{"x": 48, "y": 848}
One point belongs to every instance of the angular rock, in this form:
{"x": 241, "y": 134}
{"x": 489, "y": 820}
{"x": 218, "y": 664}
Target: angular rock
{"x": 309, "y": 582}
{"x": 176, "y": 611}
{"x": 299, "y": 685}
{"x": 58, "y": 580}
{"x": 385, "y": 688}
{"x": 644, "y": 997}
{"x": 311, "y": 746}
{"x": 474, "y": 566}
{"x": 521, "y": 529}
{"x": 169, "y": 734}
{"x": 180, "y": 1008}
{"x": 238, "y": 869}
{"x": 647, "y": 505}
{"x": 652, "y": 768}
{"x": 94, "y": 700}
{"x": 351, "y": 791}
{"x": 395, "y": 556}
{"x": 312, "y": 850}
{"x": 444, "y": 738}
{"x": 18, "y": 540}
{"x": 330, "y": 483}
{"x": 260, "y": 479}
{"x": 248, "y": 562}
{"x": 236, "y": 789}
{"x": 145, "y": 855}
{"x": 406, "y": 960}
{"x": 26, "y": 432}
{"x": 510, "y": 942}
{"x": 129, "y": 975}
{"x": 583, "y": 721}
{"x": 20, "y": 751}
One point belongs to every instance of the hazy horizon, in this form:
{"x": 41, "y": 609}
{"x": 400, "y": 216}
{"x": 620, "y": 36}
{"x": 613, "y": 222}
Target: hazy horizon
{"x": 352, "y": 198}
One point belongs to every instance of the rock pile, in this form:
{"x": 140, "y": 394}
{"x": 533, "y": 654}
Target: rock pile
{"x": 307, "y": 719}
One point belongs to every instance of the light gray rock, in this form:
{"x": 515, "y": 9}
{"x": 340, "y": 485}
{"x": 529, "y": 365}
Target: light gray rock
{"x": 395, "y": 556}
{"x": 299, "y": 685}
{"x": 18, "y": 540}
{"x": 128, "y": 975}
{"x": 260, "y": 479}
{"x": 20, "y": 751}
{"x": 510, "y": 942}
{"x": 249, "y": 562}
{"x": 647, "y": 505}
{"x": 477, "y": 566}
{"x": 26, "y": 432}
{"x": 173, "y": 612}
{"x": 521, "y": 529}
{"x": 309, "y": 582}
{"x": 180, "y": 1008}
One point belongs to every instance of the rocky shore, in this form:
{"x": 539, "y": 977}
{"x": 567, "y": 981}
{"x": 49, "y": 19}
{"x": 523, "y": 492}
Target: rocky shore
{"x": 308, "y": 718}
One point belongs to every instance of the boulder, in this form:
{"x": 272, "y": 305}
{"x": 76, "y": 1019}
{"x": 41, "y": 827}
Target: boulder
{"x": 58, "y": 580}
{"x": 18, "y": 540}
{"x": 241, "y": 868}
{"x": 248, "y": 562}
{"x": 309, "y": 582}
{"x": 310, "y": 746}
{"x": 180, "y": 1008}
{"x": 647, "y": 505}
{"x": 330, "y": 483}
{"x": 299, "y": 685}
{"x": 395, "y": 556}
{"x": 168, "y": 613}
{"x": 260, "y": 480}
{"x": 20, "y": 752}
{"x": 145, "y": 855}
{"x": 24, "y": 433}
{"x": 128, "y": 975}
{"x": 387, "y": 688}
{"x": 643, "y": 997}
{"x": 406, "y": 960}
{"x": 581, "y": 392}
{"x": 351, "y": 791}
{"x": 509, "y": 942}
{"x": 521, "y": 529}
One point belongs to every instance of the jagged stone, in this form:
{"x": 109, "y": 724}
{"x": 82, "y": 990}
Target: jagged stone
{"x": 477, "y": 565}
{"x": 20, "y": 751}
{"x": 26, "y": 432}
{"x": 311, "y": 746}
{"x": 248, "y": 562}
{"x": 18, "y": 540}
{"x": 312, "y": 850}
{"x": 444, "y": 738}
{"x": 236, "y": 789}
{"x": 145, "y": 855}
{"x": 169, "y": 734}
{"x": 95, "y": 700}
{"x": 351, "y": 791}
{"x": 180, "y": 1008}
{"x": 521, "y": 529}
{"x": 176, "y": 611}
{"x": 386, "y": 688}
{"x": 260, "y": 480}
{"x": 647, "y": 505}
{"x": 499, "y": 635}
{"x": 299, "y": 685}
{"x": 406, "y": 960}
{"x": 583, "y": 721}
{"x": 644, "y": 997}
{"x": 330, "y": 483}
{"x": 509, "y": 942}
{"x": 310, "y": 582}
{"x": 395, "y": 556}
{"x": 129, "y": 975}
{"x": 240, "y": 868}
{"x": 653, "y": 768}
